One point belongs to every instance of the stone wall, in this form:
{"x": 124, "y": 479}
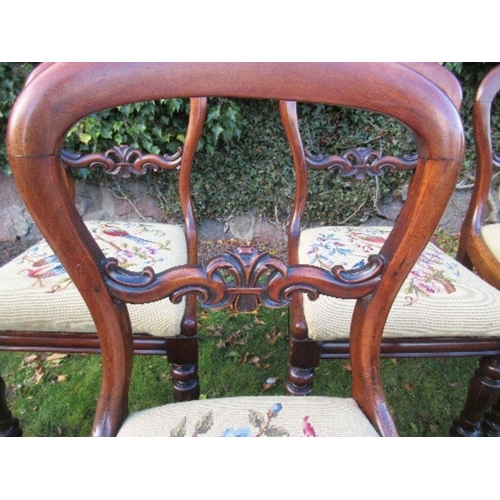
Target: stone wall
{"x": 99, "y": 203}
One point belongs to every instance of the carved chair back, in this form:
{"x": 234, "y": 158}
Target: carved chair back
{"x": 63, "y": 93}
{"x": 52, "y": 317}
{"x": 360, "y": 163}
{"x": 478, "y": 248}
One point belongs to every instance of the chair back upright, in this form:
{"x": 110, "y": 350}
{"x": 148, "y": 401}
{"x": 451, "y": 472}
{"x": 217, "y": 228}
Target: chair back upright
{"x": 473, "y": 250}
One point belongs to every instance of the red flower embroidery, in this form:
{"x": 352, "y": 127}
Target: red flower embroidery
{"x": 307, "y": 428}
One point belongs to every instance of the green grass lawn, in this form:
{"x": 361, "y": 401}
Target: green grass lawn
{"x": 239, "y": 354}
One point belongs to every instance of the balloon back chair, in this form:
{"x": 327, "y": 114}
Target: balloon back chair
{"x": 42, "y": 310}
{"x": 243, "y": 279}
{"x": 479, "y": 250}
{"x": 442, "y": 309}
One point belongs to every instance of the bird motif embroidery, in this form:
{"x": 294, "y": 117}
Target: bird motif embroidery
{"x": 46, "y": 268}
{"x": 116, "y": 241}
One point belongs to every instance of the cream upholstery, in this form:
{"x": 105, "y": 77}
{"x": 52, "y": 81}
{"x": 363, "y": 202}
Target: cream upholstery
{"x": 439, "y": 298}
{"x": 253, "y": 416}
{"x": 36, "y": 294}
{"x": 491, "y": 236}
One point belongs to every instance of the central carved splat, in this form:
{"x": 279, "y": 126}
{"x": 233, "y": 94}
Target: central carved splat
{"x": 243, "y": 279}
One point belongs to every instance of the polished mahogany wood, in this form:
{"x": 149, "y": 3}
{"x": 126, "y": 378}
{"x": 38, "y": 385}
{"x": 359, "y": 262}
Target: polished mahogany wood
{"x": 124, "y": 161}
{"x": 361, "y": 163}
{"x": 484, "y": 388}
{"x": 63, "y": 93}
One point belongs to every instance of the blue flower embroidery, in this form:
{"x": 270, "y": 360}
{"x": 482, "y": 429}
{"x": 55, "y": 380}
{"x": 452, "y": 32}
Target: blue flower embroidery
{"x": 241, "y": 432}
{"x": 275, "y": 409}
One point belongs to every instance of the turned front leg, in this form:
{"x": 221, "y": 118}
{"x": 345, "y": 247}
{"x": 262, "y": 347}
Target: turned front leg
{"x": 484, "y": 390}
{"x": 491, "y": 421}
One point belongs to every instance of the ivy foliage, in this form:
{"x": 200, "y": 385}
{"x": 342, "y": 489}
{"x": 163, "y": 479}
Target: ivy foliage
{"x": 470, "y": 76}
{"x": 154, "y": 126}
{"x": 12, "y": 77}
{"x": 243, "y": 159}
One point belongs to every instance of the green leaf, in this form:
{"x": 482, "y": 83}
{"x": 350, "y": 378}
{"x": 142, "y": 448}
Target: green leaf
{"x": 84, "y": 137}
{"x": 272, "y": 431}
{"x": 256, "y": 419}
{"x": 180, "y": 429}
{"x": 217, "y": 131}
{"x": 204, "y": 424}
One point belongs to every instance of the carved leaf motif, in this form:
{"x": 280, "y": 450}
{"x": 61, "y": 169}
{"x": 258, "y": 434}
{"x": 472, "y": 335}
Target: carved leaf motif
{"x": 204, "y": 424}
{"x": 254, "y": 279}
{"x": 273, "y": 431}
{"x": 256, "y": 419}
{"x": 360, "y": 162}
{"x": 123, "y": 161}
{"x": 180, "y": 429}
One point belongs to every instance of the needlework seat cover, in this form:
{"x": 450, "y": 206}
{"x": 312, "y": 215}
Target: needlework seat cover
{"x": 439, "y": 298}
{"x": 491, "y": 236}
{"x": 252, "y": 416}
{"x": 36, "y": 293}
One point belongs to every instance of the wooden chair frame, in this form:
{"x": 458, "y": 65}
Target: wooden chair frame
{"x": 473, "y": 253}
{"x": 181, "y": 350}
{"x": 68, "y": 92}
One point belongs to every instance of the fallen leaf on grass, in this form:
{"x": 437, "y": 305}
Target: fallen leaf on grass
{"x": 347, "y": 367}
{"x": 38, "y": 375}
{"x": 456, "y": 384}
{"x": 214, "y": 331}
{"x": 255, "y": 361}
{"x": 433, "y": 428}
{"x": 62, "y": 378}
{"x": 270, "y": 383}
{"x": 274, "y": 336}
{"x": 31, "y": 358}
{"x": 56, "y": 357}
{"x": 409, "y": 387}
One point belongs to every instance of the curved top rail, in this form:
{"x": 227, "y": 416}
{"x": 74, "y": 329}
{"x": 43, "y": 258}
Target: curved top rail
{"x": 78, "y": 89}
{"x": 490, "y": 86}
{"x": 441, "y": 77}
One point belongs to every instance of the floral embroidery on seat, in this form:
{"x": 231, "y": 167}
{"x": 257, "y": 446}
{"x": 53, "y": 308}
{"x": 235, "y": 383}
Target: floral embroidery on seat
{"x": 261, "y": 424}
{"x": 430, "y": 276}
{"x": 307, "y": 428}
{"x": 133, "y": 245}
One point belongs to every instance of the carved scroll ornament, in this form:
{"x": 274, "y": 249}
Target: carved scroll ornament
{"x": 360, "y": 162}
{"x": 123, "y": 161}
{"x": 243, "y": 279}
{"x": 496, "y": 161}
